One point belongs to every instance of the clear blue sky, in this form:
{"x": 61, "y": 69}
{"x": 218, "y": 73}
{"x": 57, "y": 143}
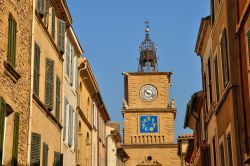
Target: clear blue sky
{"x": 110, "y": 32}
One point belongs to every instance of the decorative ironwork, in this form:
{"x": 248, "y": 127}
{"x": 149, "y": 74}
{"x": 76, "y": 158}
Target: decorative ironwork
{"x": 148, "y": 59}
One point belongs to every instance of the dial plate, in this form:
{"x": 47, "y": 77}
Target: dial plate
{"x": 148, "y": 93}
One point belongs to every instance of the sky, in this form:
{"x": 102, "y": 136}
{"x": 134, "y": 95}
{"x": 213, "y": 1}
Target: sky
{"x": 110, "y": 32}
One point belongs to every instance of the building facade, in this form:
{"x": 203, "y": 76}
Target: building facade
{"x": 223, "y": 44}
{"x": 148, "y": 113}
{"x": 15, "y": 66}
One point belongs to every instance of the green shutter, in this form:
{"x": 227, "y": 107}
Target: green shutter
{"x": 248, "y": 44}
{"x": 45, "y": 154}
{"x": 2, "y": 123}
{"x": 58, "y": 91}
{"x": 58, "y": 159}
{"x": 36, "y": 69}
{"x": 65, "y": 118}
{"x": 35, "y": 149}
{"x": 61, "y": 35}
{"x": 53, "y": 23}
{"x": 224, "y": 55}
{"x": 14, "y": 161}
{"x": 49, "y": 83}
{"x": 11, "y": 54}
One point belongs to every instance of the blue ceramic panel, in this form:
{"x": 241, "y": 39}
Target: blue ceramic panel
{"x": 148, "y": 124}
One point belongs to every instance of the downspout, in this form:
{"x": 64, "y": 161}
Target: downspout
{"x": 31, "y": 83}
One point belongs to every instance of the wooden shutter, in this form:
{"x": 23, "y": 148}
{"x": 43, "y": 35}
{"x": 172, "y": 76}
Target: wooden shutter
{"x": 75, "y": 130}
{"x": 35, "y": 149}
{"x": 65, "y": 118}
{"x": 67, "y": 58}
{"x": 45, "y": 154}
{"x": 11, "y": 56}
{"x": 58, "y": 91}
{"x": 229, "y": 148}
{"x": 41, "y": 7}
{"x": 2, "y": 125}
{"x": 14, "y": 161}
{"x": 49, "y": 84}
{"x": 53, "y": 23}
{"x": 61, "y": 35}
{"x": 248, "y": 45}
{"x": 58, "y": 159}
{"x": 217, "y": 79}
{"x": 224, "y": 57}
{"x": 36, "y": 69}
{"x": 76, "y": 73}
{"x": 70, "y": 126}
{"x": 47, "y": 13}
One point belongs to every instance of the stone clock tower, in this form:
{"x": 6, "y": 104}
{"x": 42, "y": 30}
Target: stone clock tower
{"x": 148, "y": 112}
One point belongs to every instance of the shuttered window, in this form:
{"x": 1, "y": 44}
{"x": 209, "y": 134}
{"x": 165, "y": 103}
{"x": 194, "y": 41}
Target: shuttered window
{"x": 11, "y": 54}
{"x": 76, "y": 72}
{"x": 15, "y": 140}
{"x": 70, "y": 126}
{"x": 58, "y": 159}
{"x": 217, "y": 79}
{"x": 45, "y": 154}
{"x": 75, "y": 130}
{"x": 53, "y": 19}
{"x": 229, "y": 149}
{"x": 214, "y": 151}
{"x": 49, "y": 83}
{"x": 35, "y": 149}
{"x": 224, "y": 56}
{"x": 65, "y": 118}
{"x": 58, "y": 92}
{"x": 248, "y": 45}
{"x": 2, "y": 126}
{"x": 212, "y": 11}
{"x": 36, "y": 69}
{"x": 210, "y": 81}
{"x": 46, "y": 20}
{"x": 67, "y": 58}
{"x": 61, "y": 35}
{"x": 222, "y": 159}
{"x": 41, "y": 7}
{"x": 72, "y": 66}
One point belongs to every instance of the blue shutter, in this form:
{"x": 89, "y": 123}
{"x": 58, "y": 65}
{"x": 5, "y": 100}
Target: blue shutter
{"x": 2, "y": 123}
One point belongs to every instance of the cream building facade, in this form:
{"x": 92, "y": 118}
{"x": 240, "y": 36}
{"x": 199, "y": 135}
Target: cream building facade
{"x": 148, "y": 113}
{"x": 15, "y": 58}
{"x": 48, "y": 47}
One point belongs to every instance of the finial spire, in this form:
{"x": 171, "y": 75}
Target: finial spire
{"x": 148, "y": 59}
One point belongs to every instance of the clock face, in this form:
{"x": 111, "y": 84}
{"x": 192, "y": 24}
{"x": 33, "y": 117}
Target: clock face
{"x": 148, "y": 124}
{"x": 148, "y": 93}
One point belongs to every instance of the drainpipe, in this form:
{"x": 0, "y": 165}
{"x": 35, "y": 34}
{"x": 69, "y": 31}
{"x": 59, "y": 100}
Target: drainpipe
{"x": 107, "y": 144}
{"x": 31, "y": 83}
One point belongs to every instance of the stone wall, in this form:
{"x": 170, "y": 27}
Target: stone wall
{"x": 15, "y": 92}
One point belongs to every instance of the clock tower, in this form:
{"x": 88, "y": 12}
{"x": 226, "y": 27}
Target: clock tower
{"x": 148, "y": 112}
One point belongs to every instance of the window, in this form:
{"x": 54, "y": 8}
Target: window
{"x": 222, "y": 160}
{"x": 248, "y": 45}
{"x": 210, "y": 81}
{"x": 214, "y": 151}
{"x": 11, "y": 54}
{"x": 2, "y": 127}
{"x": 206, "y": 92}
{"x": 53, "y": 20}
{"x": 72, "y": 66}
{"x": 70, "y": 126}
{"x": 67, "y": 58}
{"x": 45, "y": 154}
{"x": 224, "y": 56}
{"x": 58, "y": 159}
{"x": 94, "y": 115}
{"x": 49, "y": 83}
{"x": 41, "y": 7}
{"x": 61, "y": 35}
{"x": 217, "y": 79}
{"x": 58, "y": 101}
{"x": 35, "y": 149}
{"x": 36, "y": 69}
{"x": 14, "y": 161}
{"x": 65, "y": 118}
{"x": 75, "y": 129}
{"x": 229, "y": 149}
